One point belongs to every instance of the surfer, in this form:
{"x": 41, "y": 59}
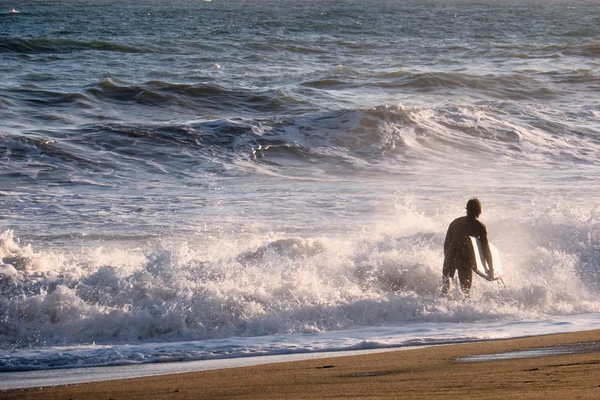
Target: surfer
{"x": 458, "y": 255}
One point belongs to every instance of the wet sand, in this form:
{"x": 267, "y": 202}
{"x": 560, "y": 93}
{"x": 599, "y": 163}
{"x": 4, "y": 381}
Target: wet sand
{"x": 571, "y": 371}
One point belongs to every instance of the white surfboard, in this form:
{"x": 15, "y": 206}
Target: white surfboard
{"x": 481, "y": 268}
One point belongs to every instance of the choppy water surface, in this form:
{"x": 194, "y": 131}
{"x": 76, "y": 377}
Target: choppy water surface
{"x": 189, "y": 172}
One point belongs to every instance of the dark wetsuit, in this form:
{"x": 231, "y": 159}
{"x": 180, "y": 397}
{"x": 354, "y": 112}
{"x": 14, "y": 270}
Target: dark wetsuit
{"x": 458, "y": 253}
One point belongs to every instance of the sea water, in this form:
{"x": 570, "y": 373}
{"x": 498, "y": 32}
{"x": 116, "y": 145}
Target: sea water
{"x": 210, "y": 181}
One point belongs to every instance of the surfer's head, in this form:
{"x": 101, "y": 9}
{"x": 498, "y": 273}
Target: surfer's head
{"x": 474, "y": 207}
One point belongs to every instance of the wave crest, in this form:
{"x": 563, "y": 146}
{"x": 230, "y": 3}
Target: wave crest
{"x": 387, "y": 274}
{"x": 59, "y": 46}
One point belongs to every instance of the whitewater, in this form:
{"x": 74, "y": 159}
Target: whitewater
{"x": 186, "y": 186}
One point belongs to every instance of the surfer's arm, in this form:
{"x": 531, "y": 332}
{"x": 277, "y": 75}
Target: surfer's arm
{"x": 448, "y": 240}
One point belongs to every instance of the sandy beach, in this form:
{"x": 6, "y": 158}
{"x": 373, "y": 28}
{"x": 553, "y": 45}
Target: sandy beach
{"x": 425, "y": 373}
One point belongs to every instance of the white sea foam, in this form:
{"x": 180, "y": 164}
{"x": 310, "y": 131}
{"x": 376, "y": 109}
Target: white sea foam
{"x": 388, "y": 274}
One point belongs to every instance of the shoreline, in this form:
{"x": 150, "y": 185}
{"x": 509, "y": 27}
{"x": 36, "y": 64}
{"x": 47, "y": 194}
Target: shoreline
{"x": 38, "y": 379}
{"x": 426, "y": 372}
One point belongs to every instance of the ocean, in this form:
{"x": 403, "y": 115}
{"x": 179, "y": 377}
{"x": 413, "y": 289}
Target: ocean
{"x": 220, "y": 181}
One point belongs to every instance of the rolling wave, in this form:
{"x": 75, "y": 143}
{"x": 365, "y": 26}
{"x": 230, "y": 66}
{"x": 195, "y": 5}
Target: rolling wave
{"x": 513, "y": 87}
{"x": 203, "y": 96}
{"x": 589, "y": 49}
{"x": 62, "y": 45}
{"x": 386, "y": 138}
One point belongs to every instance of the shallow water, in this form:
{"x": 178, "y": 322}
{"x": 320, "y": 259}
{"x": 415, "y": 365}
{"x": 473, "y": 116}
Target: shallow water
{"x": 576, "y": 348}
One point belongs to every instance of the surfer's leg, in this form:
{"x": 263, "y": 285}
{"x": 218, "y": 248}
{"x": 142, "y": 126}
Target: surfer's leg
{"x": 448, "y": 274}
{"x": 465, "y": 275}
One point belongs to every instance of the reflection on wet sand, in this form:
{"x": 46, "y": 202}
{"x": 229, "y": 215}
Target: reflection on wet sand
{"x": 574, "y": 348}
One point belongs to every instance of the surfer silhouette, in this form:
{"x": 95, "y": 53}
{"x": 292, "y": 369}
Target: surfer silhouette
{"x": 458, "y": 253}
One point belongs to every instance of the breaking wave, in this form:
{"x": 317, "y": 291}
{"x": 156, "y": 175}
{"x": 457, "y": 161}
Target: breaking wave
{"x": 389, "y": 139}
{"x": 226, "y": 286}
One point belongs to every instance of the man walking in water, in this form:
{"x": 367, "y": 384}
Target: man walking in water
{"x": 458, "y": 252}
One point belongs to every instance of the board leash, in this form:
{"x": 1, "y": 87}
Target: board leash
{"x": 502, "y": 280}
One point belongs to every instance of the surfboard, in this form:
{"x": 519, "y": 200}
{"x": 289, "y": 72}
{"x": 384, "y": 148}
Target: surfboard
{"x": 481, "y": 268}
